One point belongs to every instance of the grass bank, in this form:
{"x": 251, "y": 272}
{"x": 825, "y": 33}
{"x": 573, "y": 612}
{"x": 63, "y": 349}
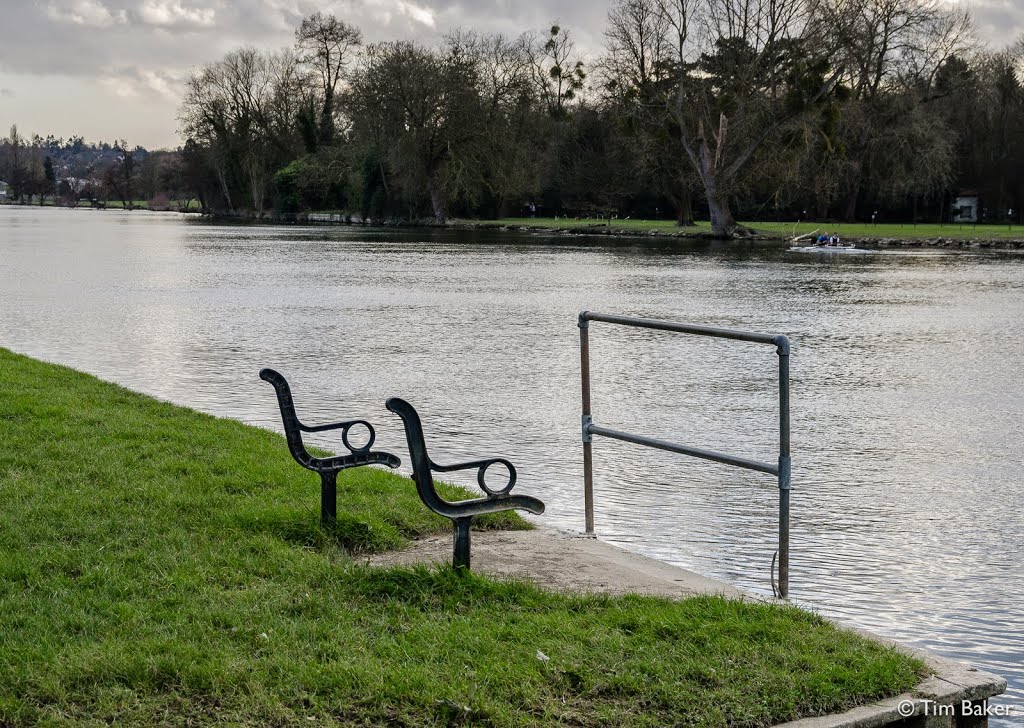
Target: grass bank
{"x": 784, "y": 230}
{"x": 161, "y": 566}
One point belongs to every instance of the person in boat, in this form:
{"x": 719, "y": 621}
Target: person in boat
{"x": 834, "y": 240}
{"x": 823, "y": 239}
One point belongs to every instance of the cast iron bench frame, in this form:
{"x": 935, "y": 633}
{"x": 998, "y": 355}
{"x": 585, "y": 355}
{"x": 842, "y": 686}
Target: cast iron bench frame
{"x": 461, "y": 513}
{"x": 328, "y": 468}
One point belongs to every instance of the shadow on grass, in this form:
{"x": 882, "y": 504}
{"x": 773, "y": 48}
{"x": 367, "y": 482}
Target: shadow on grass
{"x": 353, "y": 533}
{"x": 350, "y": 533}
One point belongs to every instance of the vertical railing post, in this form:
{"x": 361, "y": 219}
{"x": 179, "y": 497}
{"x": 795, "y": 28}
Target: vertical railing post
{"x": 785, "y": 465}
{"x": 588, "y": 457}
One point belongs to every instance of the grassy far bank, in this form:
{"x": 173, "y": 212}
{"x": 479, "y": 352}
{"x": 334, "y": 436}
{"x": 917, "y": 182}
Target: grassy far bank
{"x": 783, "y": 230}
{"x": 777, "y": 230}
{"x": 163, "y": 566}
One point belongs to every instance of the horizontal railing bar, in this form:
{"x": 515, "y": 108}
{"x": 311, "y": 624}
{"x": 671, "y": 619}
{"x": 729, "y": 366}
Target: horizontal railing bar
{"x": 685, "y": 450}
{"x": 760, "y": 338}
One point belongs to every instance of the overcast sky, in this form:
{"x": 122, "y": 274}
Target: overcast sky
{"x": 110, "y": 69}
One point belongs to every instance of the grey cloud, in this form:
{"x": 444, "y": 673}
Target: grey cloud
{"x": 103, "y": 14}
{"x": 1000, "y": 22}
{"x": 88, "y": 13}
{"x": 158, "y": 40}
{"x": 135, "y": 81}
{"x": 7, "y": 93}
{"x": 90, "y": 37}
{"x": 172, "y": 13}
{"x": 77, "y": 37}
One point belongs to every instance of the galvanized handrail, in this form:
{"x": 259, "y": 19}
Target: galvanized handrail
{"x": 782, "y": 470}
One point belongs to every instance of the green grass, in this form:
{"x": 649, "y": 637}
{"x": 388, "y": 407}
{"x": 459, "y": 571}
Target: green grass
{"x": 896, "y": 231}
{"x": 163, "y": 567}
{"x": 568, "y": 223}
{"x": 782, "y": 229}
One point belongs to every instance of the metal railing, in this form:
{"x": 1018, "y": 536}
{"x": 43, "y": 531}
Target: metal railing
{"x": 782, "y": 469}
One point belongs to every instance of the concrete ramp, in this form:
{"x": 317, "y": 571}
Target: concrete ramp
{"x": 563, "y": 561}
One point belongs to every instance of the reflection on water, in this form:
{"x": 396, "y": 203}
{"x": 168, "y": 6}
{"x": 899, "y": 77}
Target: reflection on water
{"x": 908, "y": 517}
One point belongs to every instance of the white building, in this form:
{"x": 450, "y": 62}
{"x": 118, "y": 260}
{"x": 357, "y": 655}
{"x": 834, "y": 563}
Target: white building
{"x": 3, "y": 190}
{"x": 965, "y": 208}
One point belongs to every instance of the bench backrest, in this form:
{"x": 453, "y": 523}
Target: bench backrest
{"x": 292, "y": 427}
{"x": 421, "y": 462}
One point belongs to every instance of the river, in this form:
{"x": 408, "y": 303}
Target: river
{"x": 907, "y": 399}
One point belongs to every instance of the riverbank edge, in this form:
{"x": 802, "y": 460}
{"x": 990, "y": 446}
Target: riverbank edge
{"x": 604, "y": 230}
{"x": 591, "y": 230}
{"x": 573, "y": 562}
{"x": 700, "y": 237}
{"x": 962, "y": 691}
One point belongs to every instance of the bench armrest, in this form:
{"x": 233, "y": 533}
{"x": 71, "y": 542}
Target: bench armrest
{"x": 481, "y": 468}
{"x": 345, "y": 427}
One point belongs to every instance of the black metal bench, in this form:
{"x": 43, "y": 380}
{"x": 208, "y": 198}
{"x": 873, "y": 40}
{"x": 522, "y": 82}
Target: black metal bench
{"x": 461, "y": 513}
{"x": 328, "y": 468}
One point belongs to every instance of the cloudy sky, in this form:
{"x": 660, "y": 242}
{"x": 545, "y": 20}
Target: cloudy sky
{"x": 110, "y": 69}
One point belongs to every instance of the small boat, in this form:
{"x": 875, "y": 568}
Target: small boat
{"x": 847, "y": 249}
{"x": 819, "y": 245}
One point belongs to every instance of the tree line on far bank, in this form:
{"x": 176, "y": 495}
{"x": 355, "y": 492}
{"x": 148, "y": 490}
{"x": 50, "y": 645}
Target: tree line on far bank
{"x": 728, "y": 109}
{"x": 51, "y": 170}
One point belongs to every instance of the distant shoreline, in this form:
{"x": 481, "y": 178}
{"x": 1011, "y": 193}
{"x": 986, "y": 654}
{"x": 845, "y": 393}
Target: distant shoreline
{"x": 883, "y": 235}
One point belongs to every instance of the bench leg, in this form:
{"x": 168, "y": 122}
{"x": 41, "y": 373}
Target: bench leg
{"x": 460, "y": 558}
{"x": 328, "y": 498}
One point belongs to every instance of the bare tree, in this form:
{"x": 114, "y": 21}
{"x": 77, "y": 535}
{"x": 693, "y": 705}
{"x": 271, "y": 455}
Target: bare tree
{"x": 890, "y": 53}
{"x": 637, "y": 43}
{"x": 557, "y": 70}
{"x": 635, "y": 79}
{"x": 242, "y": 108}
{"x": 327, "y": 45}
{"x": 741, "y": 70}
{"x": 503, "y": 159}
{"x": 119, "y": 175}
{"x": 422, "y": 107}
{"x": 16, "y": 166}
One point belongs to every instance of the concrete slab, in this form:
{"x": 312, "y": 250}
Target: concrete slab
{"x": 563, "y": 561}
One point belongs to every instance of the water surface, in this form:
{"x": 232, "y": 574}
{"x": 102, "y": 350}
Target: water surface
{"x": 908, "y": 512}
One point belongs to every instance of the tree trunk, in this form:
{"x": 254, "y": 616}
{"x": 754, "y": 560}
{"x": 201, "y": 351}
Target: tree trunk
{"x": 850, "y": 206}
{"x": 225, "y": 192}
{"x": 850, "y": 212}
{"x": 723, "y": 224}
{"x": 821, "y": 205}
{"x": 256, "y": 184}
{"x": 684, "y": 209}
{"x": 437, "y": 198}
